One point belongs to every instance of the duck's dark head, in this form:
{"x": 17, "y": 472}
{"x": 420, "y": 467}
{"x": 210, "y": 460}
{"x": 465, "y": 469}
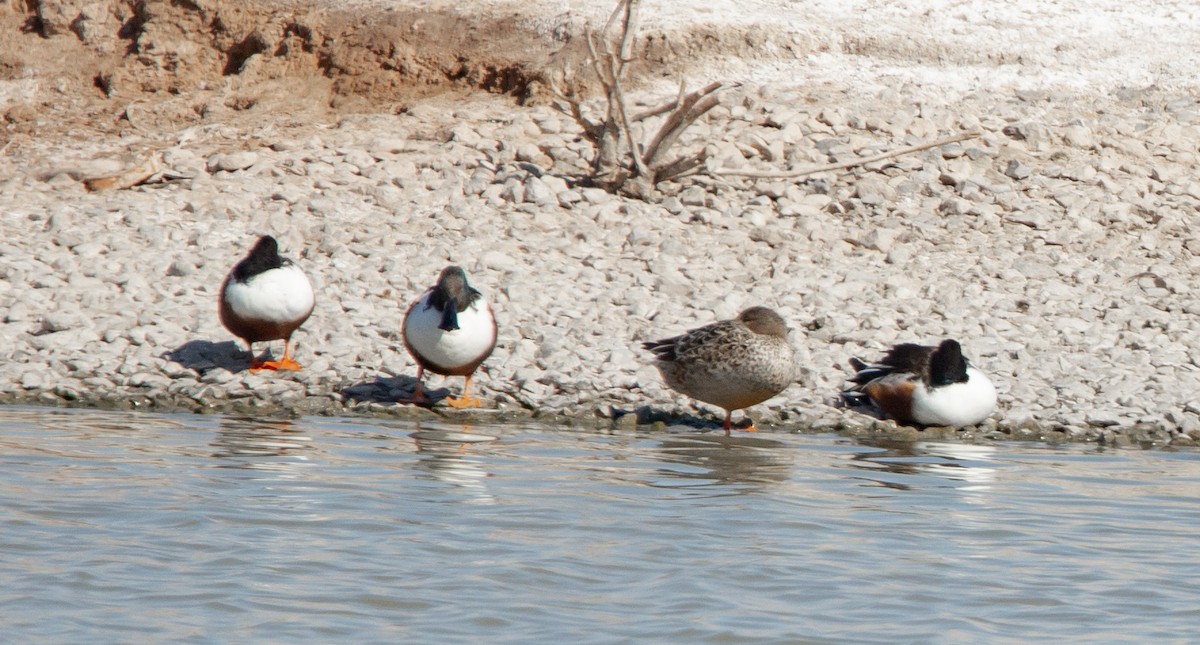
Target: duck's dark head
{"x": 947, "y": 365}
{"x": 451, "y": 295}
{"x": 764, "y": 322}
{"x": 263, "y": 257}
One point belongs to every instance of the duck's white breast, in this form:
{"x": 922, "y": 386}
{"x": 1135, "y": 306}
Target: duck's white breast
{"x": 958, "y": 404}
{"x": 277, "y": 295}
{"x": 474, "y": 337}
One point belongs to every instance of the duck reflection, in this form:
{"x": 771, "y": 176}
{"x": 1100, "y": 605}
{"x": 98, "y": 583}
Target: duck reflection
{"x": 261, "y": 444}
{"x": 446, "y": 456}
{"x": 974, "y": 466}
{"x": 716, "y": 460}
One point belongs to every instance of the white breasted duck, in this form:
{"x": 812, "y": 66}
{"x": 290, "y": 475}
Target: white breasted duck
{"x": 450, "y": 331}
{"x": 266, "y": 297}
{"x": 732, "y": 364}
{"x": 928, "y": 386}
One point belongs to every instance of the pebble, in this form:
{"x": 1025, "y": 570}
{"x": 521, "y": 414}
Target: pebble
{"x": 232, "y": 161}
{"x": 1017, "y": 170}
{"x": 873, "y": 190}
{"x": 536, "y": 191}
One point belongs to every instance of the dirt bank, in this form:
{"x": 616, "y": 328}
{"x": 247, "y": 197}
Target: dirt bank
{"x": 70, "y": 65}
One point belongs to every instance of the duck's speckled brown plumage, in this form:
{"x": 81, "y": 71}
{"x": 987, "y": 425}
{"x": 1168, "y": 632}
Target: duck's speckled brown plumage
{"x": 732, "y": 364}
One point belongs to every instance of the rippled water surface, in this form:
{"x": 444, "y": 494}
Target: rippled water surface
{"x": 139, "y": 528}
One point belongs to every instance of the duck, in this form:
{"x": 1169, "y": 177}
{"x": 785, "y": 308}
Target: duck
{"x": 450, "y": 330}
{"x": 923, "y": 385}
{"x": 732, "y": 364}
{"x": 266, "y": 297}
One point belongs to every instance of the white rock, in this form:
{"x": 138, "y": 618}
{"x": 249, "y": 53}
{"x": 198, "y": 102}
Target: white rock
{"x": 232, "y": 161}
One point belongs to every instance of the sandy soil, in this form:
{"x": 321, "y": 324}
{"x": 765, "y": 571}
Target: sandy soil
{"x": 66, "y": 64}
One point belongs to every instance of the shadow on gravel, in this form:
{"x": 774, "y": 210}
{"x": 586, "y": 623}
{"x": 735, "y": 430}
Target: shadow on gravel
{"x": 203, "y": 355}
{"x": 647, "y": 415}
{"x": 387, "y": 389}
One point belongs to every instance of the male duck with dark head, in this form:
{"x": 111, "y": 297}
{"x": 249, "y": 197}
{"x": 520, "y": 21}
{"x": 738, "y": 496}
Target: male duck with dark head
{"x": 266, "y": 297}
{"x": 450, "y": 331}
{"x": 923, "y": 385}
{"x": 732, "y": 364}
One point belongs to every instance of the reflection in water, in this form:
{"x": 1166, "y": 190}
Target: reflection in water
{"x": 973, "y": 465}
{"x": 260, "y": 444}
{"x": 720, "y": 460}
{"x": 446, "y": 456}
{"x": 117, "y": 528}
{"x": 68, "y": 426}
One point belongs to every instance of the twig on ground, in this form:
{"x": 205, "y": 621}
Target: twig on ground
{"x": 841, "y": 165}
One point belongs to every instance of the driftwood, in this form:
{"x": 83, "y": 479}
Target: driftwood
{"x": 151, "y": 170}
{"x": 622, "y": 163}
{"x": 841, "y": 165}
{"x": 128, "y": 178}
{"x": 626, "y": 165}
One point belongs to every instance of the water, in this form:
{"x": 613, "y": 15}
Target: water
{"x": 140, "y": 528}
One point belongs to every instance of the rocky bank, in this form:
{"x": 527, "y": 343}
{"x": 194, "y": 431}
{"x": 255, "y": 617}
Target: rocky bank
{"x": 1058, "y": 245}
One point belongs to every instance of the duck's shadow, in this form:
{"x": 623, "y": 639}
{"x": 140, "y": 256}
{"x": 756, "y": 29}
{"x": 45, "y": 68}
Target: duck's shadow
{"x": 389, "y": 389}
{"x": 204, "y": 355}
{"x": 865, "y": 409}
{"x": 647, "y": 415}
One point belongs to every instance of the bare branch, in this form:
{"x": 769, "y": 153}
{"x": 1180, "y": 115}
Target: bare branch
{"x": 590, "y": 130}
{"x": 689, "y": 109}
{"x": 698, "y": 110}
{"x": 681, "y": 167}
{"x": 791, "y": 174}
{"x": 634, "y": 148}
{"x": 653, "y": 112}
{"x": 612, "y": 17}
{"x": 596, "y": 61}
{"x": 637, "y": 169}
{"x": 607, "y": 133}
{"x": 662, "y": 109}
{"x": 567, "y": 102}
{"x": 630, "y": 28}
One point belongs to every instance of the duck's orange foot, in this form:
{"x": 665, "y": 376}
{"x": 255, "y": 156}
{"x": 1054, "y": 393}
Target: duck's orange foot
{"x": 748, "y": 427}
{"x": 285, "y": 363}
{"x": 416, "y": 398}
{"x": 464, "y": 402}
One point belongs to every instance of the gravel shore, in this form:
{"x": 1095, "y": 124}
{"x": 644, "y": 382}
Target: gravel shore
{"x": 1058, "y": 246}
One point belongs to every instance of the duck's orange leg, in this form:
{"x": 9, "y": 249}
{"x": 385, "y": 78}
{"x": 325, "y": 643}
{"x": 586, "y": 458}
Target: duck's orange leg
{"x": 466, "y": 400}
{"x": 255, "y": 364}
{"x": 285, "y": 363}
{"x": 418, "y": 396}
{"x": 729, "y": 423}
